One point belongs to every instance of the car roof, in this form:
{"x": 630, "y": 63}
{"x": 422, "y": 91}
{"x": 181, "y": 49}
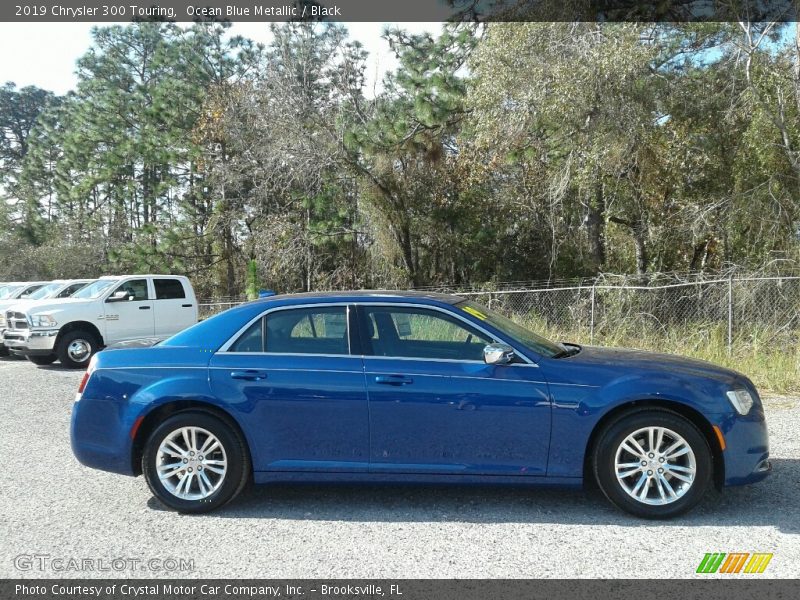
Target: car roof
{"x": 366, "y": 295}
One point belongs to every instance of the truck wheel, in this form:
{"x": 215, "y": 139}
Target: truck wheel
{"x": 43, "y": 360}
{"x": 76, "y": 348}
{"x": 3, "y": 350}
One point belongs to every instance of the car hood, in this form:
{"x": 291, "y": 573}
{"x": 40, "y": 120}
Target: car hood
{"x": 21, "y": 305}
{"x": 639, "y": 360}
{"x": 6, "y": 304}
{"x": 53, "y": 305}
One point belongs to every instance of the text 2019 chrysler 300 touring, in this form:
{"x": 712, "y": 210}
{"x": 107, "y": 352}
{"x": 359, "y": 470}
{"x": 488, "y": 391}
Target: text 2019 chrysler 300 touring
{"x": 411, "y": 387}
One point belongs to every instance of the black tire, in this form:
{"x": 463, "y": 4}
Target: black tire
{"x": 67, "y": 358}
{"x": 238, "y": 463}
{"x": 3, "y": 350}
{"x": 43, "y": 360}
{"x": 604, "y": 465}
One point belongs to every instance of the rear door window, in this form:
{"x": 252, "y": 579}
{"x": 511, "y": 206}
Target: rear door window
{"x": 169, "y": 289}
{"x": 317, "y": 330}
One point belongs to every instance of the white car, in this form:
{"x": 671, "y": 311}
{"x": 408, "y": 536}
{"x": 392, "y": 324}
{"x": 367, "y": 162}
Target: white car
{"x": 108, "y": 311}
{"x": 10, "y": 294}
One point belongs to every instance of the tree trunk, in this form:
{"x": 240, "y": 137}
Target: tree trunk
{"x": 403, "y": 236}
{"x": 229, "y": 261}
{"x": 596, "y": 224}
{"x": 698, "y": 256}
{"x": 640, "y": 241}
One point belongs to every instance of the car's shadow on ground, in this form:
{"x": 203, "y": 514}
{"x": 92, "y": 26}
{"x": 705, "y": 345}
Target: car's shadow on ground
{"x": 770, "y": 503}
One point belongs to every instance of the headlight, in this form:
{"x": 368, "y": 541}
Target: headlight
{"x": 42, "y": 321}
{"x": 2, "y": 321}
{"x": 742, "y": 401}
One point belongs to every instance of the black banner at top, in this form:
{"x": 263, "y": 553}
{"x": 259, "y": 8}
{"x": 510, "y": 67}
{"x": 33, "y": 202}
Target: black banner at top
{"x": 396, "y": 10}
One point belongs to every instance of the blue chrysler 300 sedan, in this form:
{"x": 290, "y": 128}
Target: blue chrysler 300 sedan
{"x": 411, "y": 387}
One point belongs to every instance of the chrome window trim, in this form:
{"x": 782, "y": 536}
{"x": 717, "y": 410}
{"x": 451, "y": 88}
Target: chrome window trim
{"x": 235, "y": 337}
{"x": 348, "y": 305}
{"x": 295, "y": 354}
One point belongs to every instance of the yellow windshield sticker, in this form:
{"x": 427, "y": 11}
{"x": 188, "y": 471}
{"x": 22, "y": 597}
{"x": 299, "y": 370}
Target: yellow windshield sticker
{"x": 475, "y": 313}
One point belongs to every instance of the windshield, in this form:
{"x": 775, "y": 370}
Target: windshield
{"x": 535, "y": 342}
{"x": 8, "y": 290}
{"x": 94, "y": 290}
{"x": 45, "y": 291}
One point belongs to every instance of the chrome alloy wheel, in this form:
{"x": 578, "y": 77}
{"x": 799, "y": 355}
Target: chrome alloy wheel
{"x": 655, "y": 466}
{"x": 79, "y": 350}
{"x": 191, "y": 463}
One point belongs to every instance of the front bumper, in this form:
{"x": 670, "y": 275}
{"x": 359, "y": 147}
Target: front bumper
{"x": 746, "y": 455}
{"x": 28, "y": 342}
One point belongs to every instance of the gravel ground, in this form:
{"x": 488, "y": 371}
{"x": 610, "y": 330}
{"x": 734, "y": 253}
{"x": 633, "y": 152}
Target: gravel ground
{"x": 51, "y": 505}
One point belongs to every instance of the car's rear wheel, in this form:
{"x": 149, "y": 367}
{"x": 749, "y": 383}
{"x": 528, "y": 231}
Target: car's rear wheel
{"x": 194, "y": 462}
{"x": 76, "y": 348}
{"x": 653, "y": 464}
{"x": 43, "y": 360}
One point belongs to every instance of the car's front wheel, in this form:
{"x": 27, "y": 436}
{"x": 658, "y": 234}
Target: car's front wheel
{"x": 194, "y": 462}
{"x": 654, "y": 464}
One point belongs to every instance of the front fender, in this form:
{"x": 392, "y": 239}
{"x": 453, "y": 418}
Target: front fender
{"x": 578, "y": 409}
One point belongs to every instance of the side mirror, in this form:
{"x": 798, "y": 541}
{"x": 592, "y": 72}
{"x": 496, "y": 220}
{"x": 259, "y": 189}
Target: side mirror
{"x": 118, "y": 296}
{"x": 498, "y": 354}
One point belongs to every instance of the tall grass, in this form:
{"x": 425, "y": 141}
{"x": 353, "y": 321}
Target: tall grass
{"x": 771, "y": 359}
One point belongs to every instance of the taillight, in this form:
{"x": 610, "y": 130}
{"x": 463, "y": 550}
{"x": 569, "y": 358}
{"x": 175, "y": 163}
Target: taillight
{"x": 83, "y": 382}
{"x": 85, "y": 379}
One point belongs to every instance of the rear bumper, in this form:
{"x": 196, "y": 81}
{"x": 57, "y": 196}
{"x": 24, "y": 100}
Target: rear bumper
{"x": 100, "y": 435}
{"x": 30, "y": 343}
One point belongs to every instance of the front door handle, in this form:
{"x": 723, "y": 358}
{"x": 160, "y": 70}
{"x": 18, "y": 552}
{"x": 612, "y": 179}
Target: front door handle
{"x": 144, "y": 308}
{"x": 393, "y": 380}
{"x": 248, "y": 375}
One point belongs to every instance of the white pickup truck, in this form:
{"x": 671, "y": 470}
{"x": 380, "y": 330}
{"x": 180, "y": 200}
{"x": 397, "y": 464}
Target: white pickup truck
{"x": 58, "y": 288}
{"x": 13, "y": 293}
{"x": 108, "y": 311}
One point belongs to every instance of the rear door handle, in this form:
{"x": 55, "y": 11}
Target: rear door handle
{"x": 248, "y": 375}
{"x": 144, "y": 308}
{"x": 187, "y": 305}
{"x": 393, "y": 380}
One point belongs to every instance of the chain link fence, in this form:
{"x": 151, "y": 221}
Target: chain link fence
{"x": 734, "y": 306}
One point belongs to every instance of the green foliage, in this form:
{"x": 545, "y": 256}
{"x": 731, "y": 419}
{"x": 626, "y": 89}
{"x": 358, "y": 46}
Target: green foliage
{"x": 506, "y": 151}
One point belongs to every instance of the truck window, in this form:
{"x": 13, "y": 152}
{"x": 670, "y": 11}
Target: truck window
{"x": 71, "y": 289}
{"x": 136, "y": 288}
{"x": 169, "y": 289}
{"x": 27, "y": 293}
